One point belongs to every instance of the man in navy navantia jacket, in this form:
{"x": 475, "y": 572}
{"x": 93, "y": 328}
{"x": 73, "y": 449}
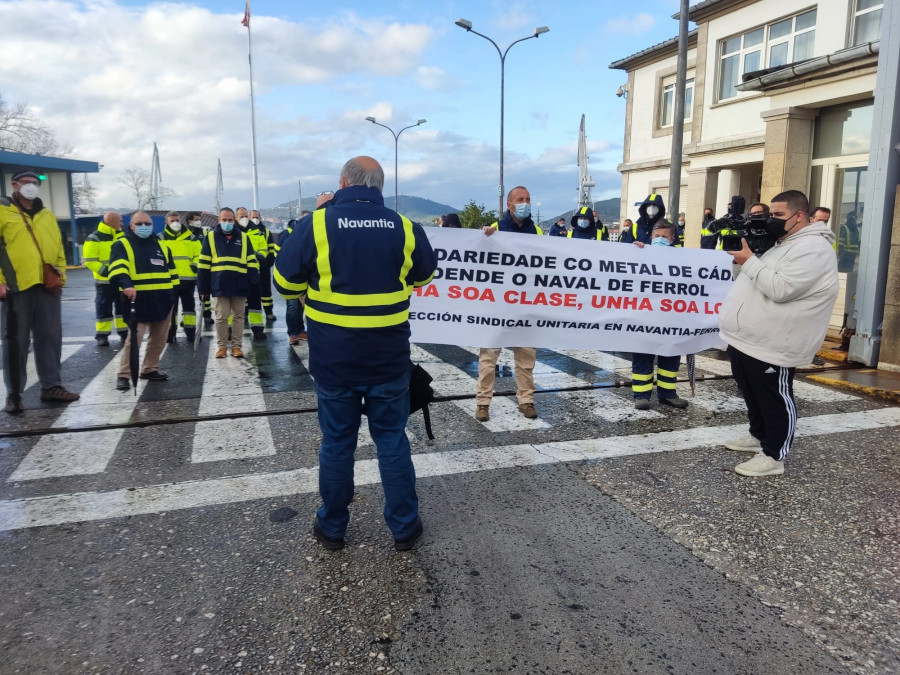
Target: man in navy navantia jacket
{"x": 357, "y": 263}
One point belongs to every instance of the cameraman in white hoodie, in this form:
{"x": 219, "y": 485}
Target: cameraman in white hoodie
{"x": 773, "y": 320}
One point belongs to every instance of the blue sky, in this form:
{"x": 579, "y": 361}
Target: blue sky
{"x": 116, "y": 76}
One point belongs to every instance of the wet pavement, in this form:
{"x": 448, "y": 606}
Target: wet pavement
{"x": 169, "y": 531}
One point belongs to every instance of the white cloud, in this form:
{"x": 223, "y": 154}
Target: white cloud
{"x": 636, "y": 25}
{"x": 112, "y": 79}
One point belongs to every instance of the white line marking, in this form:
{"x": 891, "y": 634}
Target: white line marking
{"x": 83, "y": 453}
{"x": 84, "y": 338}
{"x": 31, "y": 371}
{"x": 452, "y": 381}
{"x": 88, "y": 506}
{"x": 231, "y": 384}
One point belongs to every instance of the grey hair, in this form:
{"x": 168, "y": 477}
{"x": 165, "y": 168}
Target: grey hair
{"x": 173, "y": 213}
{"x": 355, "y": 174}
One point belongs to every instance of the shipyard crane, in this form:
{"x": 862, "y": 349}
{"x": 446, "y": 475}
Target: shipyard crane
{"x": 155, "y": 179}
{"x": 219, "y": 189}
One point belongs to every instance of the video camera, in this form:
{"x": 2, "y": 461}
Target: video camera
{"x": 733, "y": 227}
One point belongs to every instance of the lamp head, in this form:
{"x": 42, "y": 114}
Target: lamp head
{"x": 540, "y": 29}
{"x": 464, "y": 23}
{"x": 421, "y": 122}
{"x": 370, "y": 119}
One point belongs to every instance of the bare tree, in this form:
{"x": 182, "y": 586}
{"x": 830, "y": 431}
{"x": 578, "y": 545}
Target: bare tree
{"x": 21, "y": 131}
{"x": 86, "y": 194}
{"x": 137, "y": 180}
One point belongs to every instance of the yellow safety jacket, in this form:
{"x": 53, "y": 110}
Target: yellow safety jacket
{"x": 21, "y": 265}
{"x": 259, "y": 237}
{"x": 185, "y": 248}
{"x": 97, "y": 249}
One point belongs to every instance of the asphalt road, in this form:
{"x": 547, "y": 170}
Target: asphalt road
{"x": 169, "y": 532}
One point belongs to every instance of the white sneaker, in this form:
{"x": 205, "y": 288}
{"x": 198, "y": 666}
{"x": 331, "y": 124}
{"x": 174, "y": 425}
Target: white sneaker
{"x": 760, "y": 465}
{"x": 746, "y": 443}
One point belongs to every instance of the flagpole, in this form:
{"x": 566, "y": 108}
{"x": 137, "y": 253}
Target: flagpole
{"x": 252, "y": 111}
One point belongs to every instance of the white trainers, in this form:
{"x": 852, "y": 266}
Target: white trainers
{"x": 746, "y": 443}
{"x": 760, "y": 465}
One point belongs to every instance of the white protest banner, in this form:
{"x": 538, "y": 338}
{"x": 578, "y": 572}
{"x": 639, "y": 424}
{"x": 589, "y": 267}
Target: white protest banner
{"x": 522, "y": 290}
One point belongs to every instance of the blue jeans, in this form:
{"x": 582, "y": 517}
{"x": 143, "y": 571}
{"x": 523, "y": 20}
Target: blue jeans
{"x": 293, "y": 315}
{"x": 387, "y": 408}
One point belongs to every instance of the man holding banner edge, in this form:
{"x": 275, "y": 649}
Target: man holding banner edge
{"x": 516, "y": 219}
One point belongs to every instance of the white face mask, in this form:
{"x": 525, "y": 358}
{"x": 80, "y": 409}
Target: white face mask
{"x": 243, "y": 222}
{"x": 29, "y": 191}
{"x": 652, "y": 210}
{"x": 680, "y": 223}
{"x": 175, "y": 226}
{"x": 196, "y": 223}
{"x": 255, "y": 221}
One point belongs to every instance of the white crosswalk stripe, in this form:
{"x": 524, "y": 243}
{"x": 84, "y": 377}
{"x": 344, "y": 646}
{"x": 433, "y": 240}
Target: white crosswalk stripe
{"x": 234, "y": 384}
{"x": 73, "y": 454}
{"x": 453, "y": 381}
{"x": 31, "y": 377}
{"x": 231, "y": 384}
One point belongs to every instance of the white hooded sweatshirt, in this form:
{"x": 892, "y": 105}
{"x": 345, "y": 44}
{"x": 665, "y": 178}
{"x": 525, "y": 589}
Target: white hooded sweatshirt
{"x": 779, "y": 307}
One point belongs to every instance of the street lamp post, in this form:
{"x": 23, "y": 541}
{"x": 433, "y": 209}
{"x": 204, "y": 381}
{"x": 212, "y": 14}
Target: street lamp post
{"x": 467, "y": 25}
{"x": 396, "y": 142}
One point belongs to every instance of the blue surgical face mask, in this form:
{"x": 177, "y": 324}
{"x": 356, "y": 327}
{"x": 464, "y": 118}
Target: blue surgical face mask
{"x": 143, "y": 231}
{"x": 583, "y": 223}
{"x": 660, "y": 241}
{"x": 523, "y": 210}
{"x": 227, "y": 226}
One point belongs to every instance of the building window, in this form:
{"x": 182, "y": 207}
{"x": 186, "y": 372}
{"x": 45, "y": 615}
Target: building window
{"x": 777, "y": 44}
{"x": 667, "y": 104}
{"x": 866, "y": 21}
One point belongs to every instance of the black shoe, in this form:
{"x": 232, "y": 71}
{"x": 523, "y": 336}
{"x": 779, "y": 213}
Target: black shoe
{"x": 407, "y": 543}
{"x": 102, "y": 340}
{"x": 123, "y": 384}
{"x": 123, "y": 335}
{"x": 675, "y": 402}
{"x": 11, "y": 407}
{"x": 190, "y": 334}
{"x": 642, "y": 404}
{"x": 270, "y": 318}
{"x": 155, "y": 376}
{"x": 259, "y": 335}
{"x": 170, "y": 339}
{"x": 324, "y": 539}
{"x": 208, "y": 321}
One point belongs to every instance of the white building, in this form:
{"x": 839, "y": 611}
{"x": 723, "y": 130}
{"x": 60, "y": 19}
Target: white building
{"x": 779, "y": 96}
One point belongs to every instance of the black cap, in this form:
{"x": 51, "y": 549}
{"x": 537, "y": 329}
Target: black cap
{"x": 26, "y": 173}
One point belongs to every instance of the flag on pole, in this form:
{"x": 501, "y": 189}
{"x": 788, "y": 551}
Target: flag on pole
{"x": 246, "y": 20}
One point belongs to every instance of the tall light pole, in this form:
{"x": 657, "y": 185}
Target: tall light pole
{"x": 464, "y": 23}
{"x": 396, "y": 142}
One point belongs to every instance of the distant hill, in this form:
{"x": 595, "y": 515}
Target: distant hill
{"x": 607, "y": 209}
{"x": 415, "y": 208}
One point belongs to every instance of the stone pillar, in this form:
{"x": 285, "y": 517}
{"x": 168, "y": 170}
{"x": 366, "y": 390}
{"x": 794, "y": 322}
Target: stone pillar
{"x": 702, "y": 189}
{"x": 788, "y": 151}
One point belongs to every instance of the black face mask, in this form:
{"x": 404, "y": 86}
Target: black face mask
{"x": 775, "y": 226}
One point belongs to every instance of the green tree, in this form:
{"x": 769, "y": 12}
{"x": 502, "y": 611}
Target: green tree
{"x": 474, "y": 216}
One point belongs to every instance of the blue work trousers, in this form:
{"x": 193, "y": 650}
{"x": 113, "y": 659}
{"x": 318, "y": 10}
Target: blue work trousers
{"x": 293, "y": 316}
{"x": 387, "y": 409}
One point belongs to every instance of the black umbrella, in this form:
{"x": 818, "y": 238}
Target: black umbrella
{"x": 12, "y": 349}
{"x": 692, "y": 373}
{"x": 134, "y": 355}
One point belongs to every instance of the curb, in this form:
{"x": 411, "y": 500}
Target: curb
{"x": 892, "y": 395}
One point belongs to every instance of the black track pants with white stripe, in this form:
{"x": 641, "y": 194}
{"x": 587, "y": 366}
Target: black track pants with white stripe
{"x": 769, "y": 394}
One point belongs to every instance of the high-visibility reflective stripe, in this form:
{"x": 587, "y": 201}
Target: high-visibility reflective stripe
{"x": 418, "y": 284}
{"x": 104, "y": 327}
{"x": 283, "y": 283}
{"x": 663, "y": 384}
{"x": 642, "y": 376}
{"x": 409, "y": 245}
{"x": 120, "y": 323}
{"x": 87, "y": 260}
{"x": 360, "y": 300}
{"x": 349, "y": 321}
{"x": 255, "y": 317}
{"x": 666, "y": 373}
{"x": 215, "y": 258}
{"x": 642, "y": 387}
{"x": 189, "y": 320}
{"x": 153, "y": 287}
{"x": 323, "y": 262}
{"x": 227, "y": 268}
